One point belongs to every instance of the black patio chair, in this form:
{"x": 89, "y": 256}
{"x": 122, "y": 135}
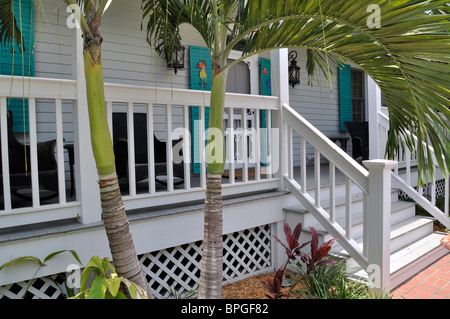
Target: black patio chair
{"x": 20, "y": 166}
{"x": 359, "y": 134}
{"x": 140, "y": 151}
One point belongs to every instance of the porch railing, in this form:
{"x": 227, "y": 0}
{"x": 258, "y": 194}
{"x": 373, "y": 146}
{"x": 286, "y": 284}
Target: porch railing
{"x": 373, "y": 184}
{"x": 56, "y": 102}
{"x": 51, "y": 93}
{"x": 405, "y": 178}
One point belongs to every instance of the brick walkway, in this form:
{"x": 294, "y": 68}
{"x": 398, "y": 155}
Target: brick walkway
{"x": 432, "y": 282}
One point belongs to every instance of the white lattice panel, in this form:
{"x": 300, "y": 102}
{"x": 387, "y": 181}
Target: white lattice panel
{"x": 41, "y": 288}
{"x": 245, "y": 253}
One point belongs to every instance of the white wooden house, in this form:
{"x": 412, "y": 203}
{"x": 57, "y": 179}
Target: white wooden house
{"x": 293, "y": 172}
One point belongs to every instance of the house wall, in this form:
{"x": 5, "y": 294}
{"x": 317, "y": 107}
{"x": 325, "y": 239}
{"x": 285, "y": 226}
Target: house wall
{"x": 318, "y": 103}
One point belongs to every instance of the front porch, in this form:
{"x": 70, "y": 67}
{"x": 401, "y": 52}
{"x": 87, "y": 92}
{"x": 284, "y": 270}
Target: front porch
{"x": 268, "y": 171}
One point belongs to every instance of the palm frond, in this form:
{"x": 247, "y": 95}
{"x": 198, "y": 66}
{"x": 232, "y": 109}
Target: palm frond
{"x": 408, "y": 56}
{"x": 10, "y": 34}
{"x": 164, "y": 17}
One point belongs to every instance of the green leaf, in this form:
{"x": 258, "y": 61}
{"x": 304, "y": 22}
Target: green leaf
{"x": 74, "y": 254}
{"x": 98, "y": 289}
{"x": 114, "y": 284}
{"x": 94, "y": 264}
{"x": 134, "y": 290}
{"x": 22, "y": 259}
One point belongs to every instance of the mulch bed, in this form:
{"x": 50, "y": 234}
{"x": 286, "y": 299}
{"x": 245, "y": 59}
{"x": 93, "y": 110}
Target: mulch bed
{"x": 249, "y": 288}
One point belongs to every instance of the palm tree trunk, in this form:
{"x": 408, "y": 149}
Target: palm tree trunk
{"x": 118, "y": 232}
{"x": 212, "y": 255}
{"x": 113, "y": 211}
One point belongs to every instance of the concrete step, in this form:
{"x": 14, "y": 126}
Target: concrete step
{"x": 402, "y": 234}
{"x": 400, "y": 211}
{"x": 304, "y": 216}
{"x": 413, "y": 244}
{"x": 409, "y": 260}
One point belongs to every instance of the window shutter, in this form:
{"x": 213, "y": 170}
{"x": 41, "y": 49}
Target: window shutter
{"x": 19, "y": 64}
{"x": 345, "y": 96}
{"x": 265, "y": 77}
{"x": 265, "y": 87}
{"x": 201, "y": 79}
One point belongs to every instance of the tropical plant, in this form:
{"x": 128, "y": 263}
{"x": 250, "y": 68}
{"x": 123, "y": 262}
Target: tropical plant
{"x": 40, "y": 264}
{"x": 293, "y": 250}
{"x": 9, "y": 31}
{"x": 336, "y": 281}
{"x": 113, "y": 211}
{"x": 406, "y": 55}
{"x": 107, "y": 283}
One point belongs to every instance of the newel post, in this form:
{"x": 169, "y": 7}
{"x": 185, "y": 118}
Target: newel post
{"x": 280, "y": 88}
{"x": 378, "y": 224}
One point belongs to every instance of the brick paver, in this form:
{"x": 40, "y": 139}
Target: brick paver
{"x": 432, "y": 282}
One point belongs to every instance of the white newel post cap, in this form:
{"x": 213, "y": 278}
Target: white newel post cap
{"x": 380, "y": 164}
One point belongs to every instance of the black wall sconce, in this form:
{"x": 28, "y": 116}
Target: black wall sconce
{"x": 175, "y": 59}
{"x": 294, "y": 69}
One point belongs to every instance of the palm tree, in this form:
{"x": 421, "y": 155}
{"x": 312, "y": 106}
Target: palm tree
{"x": 114, "y": 215}
{"x": 407, "y": 56}
{"x": 113, "y": 210}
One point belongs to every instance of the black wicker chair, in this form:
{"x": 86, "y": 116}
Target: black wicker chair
{"x": 20, "y": 166}
{"x": 359, "y": 134}
{"x": 140, "y": 151}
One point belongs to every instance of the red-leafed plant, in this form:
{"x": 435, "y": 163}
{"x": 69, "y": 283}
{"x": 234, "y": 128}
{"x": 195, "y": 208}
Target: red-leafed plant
{"x": 274, "y": 286}
{"x": 293, "y": 250}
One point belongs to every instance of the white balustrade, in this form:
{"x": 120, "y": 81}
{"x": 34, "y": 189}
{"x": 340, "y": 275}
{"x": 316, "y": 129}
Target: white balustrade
{"x": 374, "y": 186}
{"x": 405, "y": 176}
{"x": 250, "y": 145}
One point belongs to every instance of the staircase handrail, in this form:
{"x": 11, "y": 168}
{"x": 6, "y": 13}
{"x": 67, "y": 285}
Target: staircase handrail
{"x": 404, "y": 185}
{"x": 346, "y": 164}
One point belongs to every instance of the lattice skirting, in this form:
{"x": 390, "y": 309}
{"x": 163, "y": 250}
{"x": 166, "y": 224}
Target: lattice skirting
{"x": 42, "y": 288}
{"x": 440, "y": 190}
{"x": 176, "y": 269}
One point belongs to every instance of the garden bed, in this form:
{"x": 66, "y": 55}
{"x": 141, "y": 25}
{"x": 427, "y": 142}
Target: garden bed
{"x": 249, "y": 288}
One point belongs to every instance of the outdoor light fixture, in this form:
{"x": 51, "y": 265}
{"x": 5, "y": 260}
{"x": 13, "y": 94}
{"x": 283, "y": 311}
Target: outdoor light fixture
{"x": 294, "y": 70}
{"x": 175, "y": 60}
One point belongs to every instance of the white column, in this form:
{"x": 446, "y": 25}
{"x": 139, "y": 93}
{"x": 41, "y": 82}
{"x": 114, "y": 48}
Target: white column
{"x": 373, "y": 106}
{"x": 378, "y": 224}
{"x": 278, "y": 253}
{"x": 86, "y": 178}
{"x": 280, "y": 88}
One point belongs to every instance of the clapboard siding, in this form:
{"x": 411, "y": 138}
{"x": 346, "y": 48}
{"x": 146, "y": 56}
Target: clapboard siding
{"x": 53, "y": 49}
{"x": 319, "y": 104}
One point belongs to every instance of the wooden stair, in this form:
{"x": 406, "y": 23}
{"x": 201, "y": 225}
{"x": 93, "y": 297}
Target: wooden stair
{"x": 414, "y": 244}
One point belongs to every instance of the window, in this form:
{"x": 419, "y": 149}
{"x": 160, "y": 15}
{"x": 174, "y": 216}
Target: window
{"x": 358, "y": 96}
{"x": 238, "y": 80}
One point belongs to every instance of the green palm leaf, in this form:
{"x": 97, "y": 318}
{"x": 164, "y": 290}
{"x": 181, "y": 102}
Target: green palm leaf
{"x": 408, "y": 56}
{"x": 9, "y": 31}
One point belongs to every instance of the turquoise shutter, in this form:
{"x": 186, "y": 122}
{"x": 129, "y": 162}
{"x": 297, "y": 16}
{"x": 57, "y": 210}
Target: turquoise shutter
{"x": 201, "y": 79}
{"x": 20, "y": 64}
{"x": 265, "y": 78}
{"x": 345, "y": 96}
{"x": 265, "y": 88}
